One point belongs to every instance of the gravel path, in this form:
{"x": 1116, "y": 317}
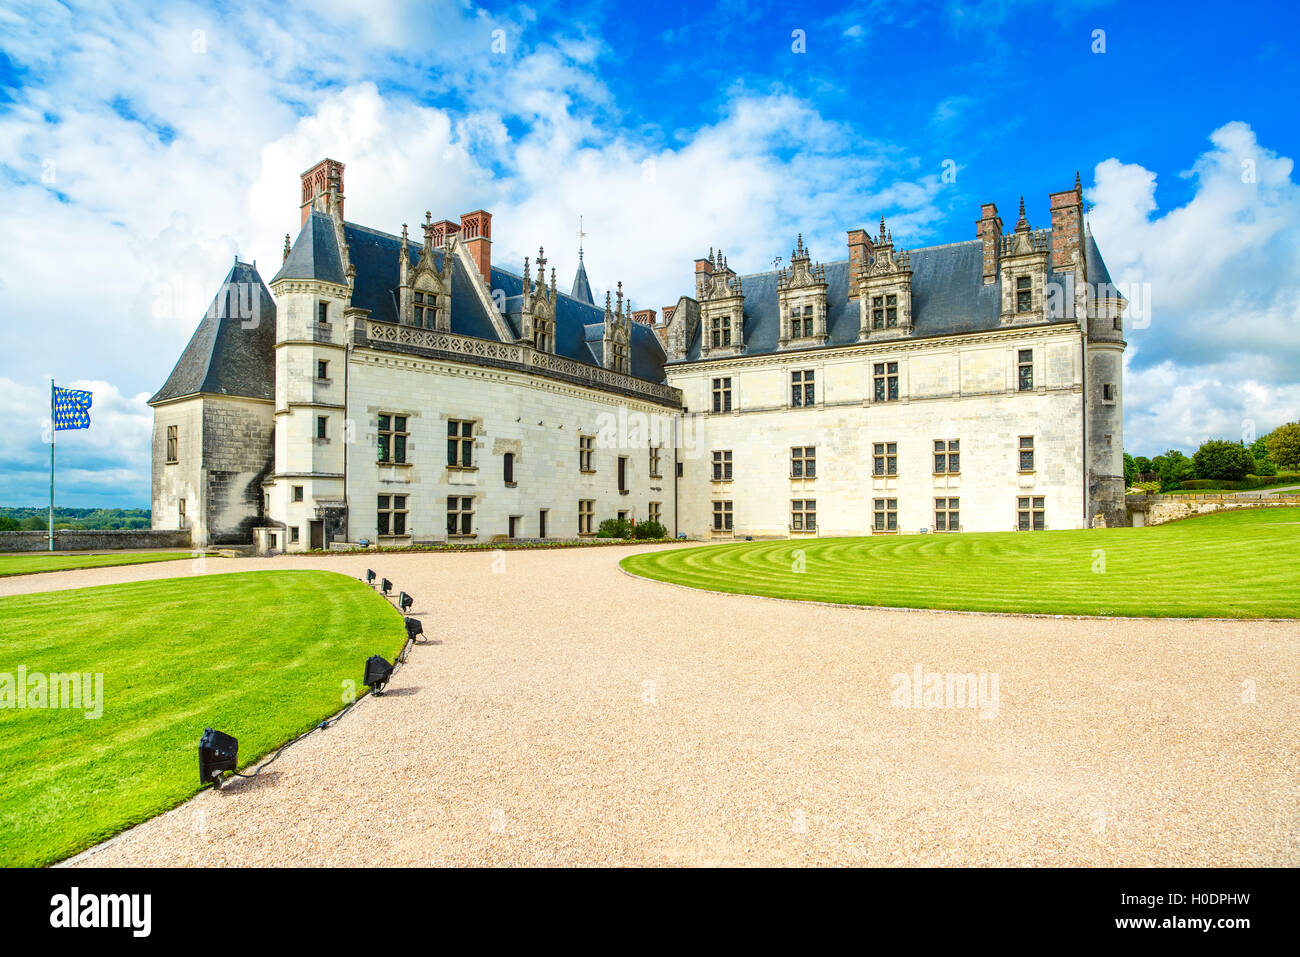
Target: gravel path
{"x": 570, "y": 714}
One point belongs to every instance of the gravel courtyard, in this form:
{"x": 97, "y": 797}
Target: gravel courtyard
{"x": 570, "y": 714}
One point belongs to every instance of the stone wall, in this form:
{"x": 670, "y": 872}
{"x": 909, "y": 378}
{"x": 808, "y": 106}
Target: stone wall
{"x": 1158, "y": 509}
{"x": 69, "y": 540}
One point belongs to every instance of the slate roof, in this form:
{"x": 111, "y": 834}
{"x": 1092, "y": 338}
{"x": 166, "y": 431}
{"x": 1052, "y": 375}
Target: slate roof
{"x": 315, "y": 253}
{"x": 233, "y": 350}
{"x": 581, "y": 290}
{"x": 949, "y": 297}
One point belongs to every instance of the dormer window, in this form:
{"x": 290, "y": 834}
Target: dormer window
{"x": 720, "y": 334}
{"x": 620, "y": 358}
{"x": 425, "y": 310}
{"x": 801, "y": 321}
{"x": 541, "y": 335}
{"x": 1024, "y": 294}
{"x": 884, "y": 311}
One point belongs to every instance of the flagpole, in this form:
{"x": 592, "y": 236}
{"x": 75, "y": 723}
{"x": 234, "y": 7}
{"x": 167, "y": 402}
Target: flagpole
{"x": 52, "y": 465}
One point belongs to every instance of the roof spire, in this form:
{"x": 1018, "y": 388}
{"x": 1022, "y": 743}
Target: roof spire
{"x": 1077, "y": 184}
{"x": 581, "y": 234}
{"x": 286, "y": 246}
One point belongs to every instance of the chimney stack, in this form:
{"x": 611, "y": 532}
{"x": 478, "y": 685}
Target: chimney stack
{"x": 317, "y": 183}
{"x": 1067, "y": 227}
{"x": 859, "y": 250}
{"x": 644, "y": 316}
{"x": 443, "y": 232}
{"x": 703, "y": 270}
{"x": 476, "y": 234}
{"x": 989, "y": 228}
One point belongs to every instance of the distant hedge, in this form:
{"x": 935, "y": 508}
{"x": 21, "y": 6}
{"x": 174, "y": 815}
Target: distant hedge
{"x": 1246, "y": 484}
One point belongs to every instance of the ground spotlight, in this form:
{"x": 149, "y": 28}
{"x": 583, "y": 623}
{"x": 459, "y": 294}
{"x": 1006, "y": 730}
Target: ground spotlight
{"x": 217, "y": 753}
{"x": 413, "y": 629}
{"x": 405, "y": 601}
{"x": 386, "y": 586}
{"x": 370, "y": 576}
{"x": 378, "y": 671}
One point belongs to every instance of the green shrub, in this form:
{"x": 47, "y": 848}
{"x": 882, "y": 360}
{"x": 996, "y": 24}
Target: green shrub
{"x": 614, "y": 528}
{"x": 1221, "y": 459}
{"x": 650, "y": 529}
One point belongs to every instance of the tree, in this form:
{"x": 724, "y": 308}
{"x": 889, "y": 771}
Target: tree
{"x": 7, "y": 524}
{"x": 1130, "y": 469}
{"x": 1222, "y": 460}
{"x": 1174, "y": 468}
{"x": 1143, "y": 464}
{"x": 1283, "y": 445}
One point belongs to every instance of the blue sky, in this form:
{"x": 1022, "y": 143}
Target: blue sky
{"x": 143, "y": 146}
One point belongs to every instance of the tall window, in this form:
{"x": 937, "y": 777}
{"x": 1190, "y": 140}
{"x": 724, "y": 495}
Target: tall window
{"x": 722, "y": 466}
{"x": 460, "y": 515}
{"x": 508, "y": 468}
{"x": 322, "y": 312}
{"x": 180, "y": 512}
{"x": 884, "y": 459}
{"x": 322, "y": 427}
{"x": 886, "y": 381}
{"x": 802, "y": 390}
{"x": 622, "y": 474}
{"x": 1024, "y": 294}
{"x": 322, "y": 369}
{"x": 720, "y": 331}
{"x": 722, "y": 517}
{"x": 885, "y": 515}
{"x": 947, "y": 457}
{"x": 1026, "y": 453}
{"x": 620, "y": 358}
{"x": 884, "y": 311}
{"x": 654, "y": 462}
{"x": 947, "y": 516}
{"x": 1108, "y": 392}
{"x": 392, "y": 438}
{"x": 171, "y": 444}
{"x": 803, "y": 461}
{"x": 655, "y": 512}
{"x": 460, "y": 443}
{"x": 722, "y": 395}
{"x": 426, "y": 309}
{"x": 542, "y": 335}
{"x": 803, "y": 515}
{"x": 801, "y": 321}
{"x": 586, "y": 516}
{"x": 586, "y": 451}
{"x": 1029, "y": 513}
{"x": 392, "y": 515}
{"x": 1025, "y": 370}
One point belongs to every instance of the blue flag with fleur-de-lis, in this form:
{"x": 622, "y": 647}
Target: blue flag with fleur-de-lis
{"x": 71, "y": 409}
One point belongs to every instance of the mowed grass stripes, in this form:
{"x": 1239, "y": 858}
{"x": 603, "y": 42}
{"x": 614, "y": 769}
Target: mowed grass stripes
{"x": 1240, "y": 564}
{"x": 30, "y": 563}
{"x": 260, "y": 655}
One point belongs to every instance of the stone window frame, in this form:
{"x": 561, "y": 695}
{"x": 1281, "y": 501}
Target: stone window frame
{"x": 1024, "y": 292}
{"x": 884, "y": 516}
{"x": 722, "y": 397}
{"x": 508, "y": 470}
{"x": 654, "y": 512}
{"x": 322, "y": 428}
{"x": 723, "y": 516}
{"x": 1025, "y": 370}
{"x": 803, "y": 321}
{"x": 542, "y": 337}
{"x": 720, "y": 331}
{"x": 322, "y": 312}
{"x": 722, "y": 463}
{"x": 391, "y": 515}
{"x": 173, "y": 445}
{"x": 803, "y": 515}
{"x": 885, "y": 378}
{"x": 947, "y": 456}
{"x": 947, "y": 514}
{"x": 803, "y": 462}
{"x": 656, "y": 465}
{"x": 180, "y": 513}
{"x": 457, "y": 508}
{"x": 295, "y": 535}
{"x": 322, "y": 370}
{"x": 884, "y": 459}
{"x": 586, "y": 517}
{"x": 621, "y": 474}
{"x": 621, "y": 363}
{"x": 387, "y": 454}
{"x": 1031, "y": 513}
{"x": 296, "y": 493}
{"x": 460, "y": 444}
{"x": 586, "y": 453}
{"x": 803, "y": 388}
{"x": 1108, "y": 393}
{"x": 1026, "y": 454}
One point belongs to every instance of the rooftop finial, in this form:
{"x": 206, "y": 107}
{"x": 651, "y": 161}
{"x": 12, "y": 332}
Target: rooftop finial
{"x": 1077, "y": 185}
{"x": 581, "y": 234}
{"x": 286, "y": 245}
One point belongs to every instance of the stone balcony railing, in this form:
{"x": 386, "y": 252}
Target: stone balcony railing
{"x": 516, "y": 355}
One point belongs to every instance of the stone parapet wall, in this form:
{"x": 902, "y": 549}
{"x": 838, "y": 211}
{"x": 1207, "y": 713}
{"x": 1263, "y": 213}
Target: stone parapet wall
{"x": 1158, "y": 509}
{"x": 72, "y": 540}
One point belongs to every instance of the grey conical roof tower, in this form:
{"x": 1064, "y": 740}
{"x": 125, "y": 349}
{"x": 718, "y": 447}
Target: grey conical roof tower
{"x": 581, "y": 287}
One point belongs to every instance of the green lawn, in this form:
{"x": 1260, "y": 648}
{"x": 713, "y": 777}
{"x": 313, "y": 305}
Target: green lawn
{"x": 260, "y": 655}
{"x": 28, "y": 563}
{"x": 1223, "y": 565}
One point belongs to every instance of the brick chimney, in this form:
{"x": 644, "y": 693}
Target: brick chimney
{"x": 476, "y": 233}
{"x": 318, "y": 182}
{"x": 644, "y": 316}
{"x": 989, "y": 228}
{"x": 703, "y": 270}
{"x": 444, "y": 231}
{"x": 1067, "y": 226}
{"x": 859, "y": 250}
{"x": 668, "y": 313}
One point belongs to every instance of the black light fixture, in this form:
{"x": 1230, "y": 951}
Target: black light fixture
{"x": 405, "y": 601}
{"x": 218, "y": 752}
{"x": 413, "y": 629}
{"x": 386, "y": 586}
{"x": 370, "y": 576}
{"x": 378, "y": 671}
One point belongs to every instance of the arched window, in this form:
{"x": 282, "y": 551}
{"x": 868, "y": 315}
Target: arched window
{"x": 508, "y": 468}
